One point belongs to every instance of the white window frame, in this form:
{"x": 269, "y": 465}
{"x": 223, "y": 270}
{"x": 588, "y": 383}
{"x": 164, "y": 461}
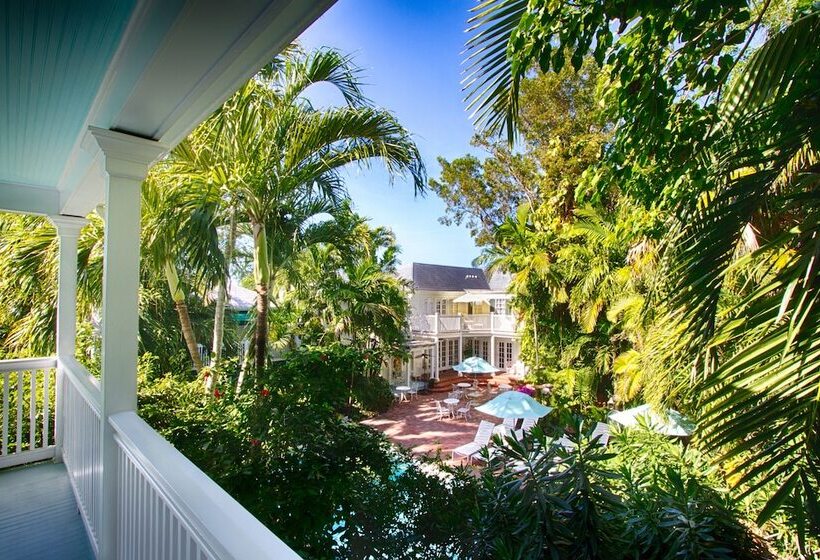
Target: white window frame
{"x": 504, "y": 354}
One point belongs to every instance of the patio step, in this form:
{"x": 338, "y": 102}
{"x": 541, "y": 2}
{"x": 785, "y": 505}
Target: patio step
{"x": 445, "y": 385}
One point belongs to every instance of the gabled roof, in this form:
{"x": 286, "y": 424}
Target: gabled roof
{"x": 441, "y": 278}
{"x": 500, "y": 281}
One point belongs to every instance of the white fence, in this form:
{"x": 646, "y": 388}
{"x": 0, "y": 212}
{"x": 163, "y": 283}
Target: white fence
{"x": 168, "y": 508}
{"x": 80, "y": 435}
{"x": 481, "y": 323}
{"x": 28, "y": 410}
{"x": 476, "y": 322}
{"x": 503, "y": 323}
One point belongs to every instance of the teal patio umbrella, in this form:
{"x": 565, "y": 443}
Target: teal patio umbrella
{"x": 475, "y": 365}
{"x": 673, "y": 424}
{"x": 514, "y": 404}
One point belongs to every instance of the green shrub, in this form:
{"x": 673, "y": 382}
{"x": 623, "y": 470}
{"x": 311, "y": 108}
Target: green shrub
{"x": 644, "y": 496}
{"x": 373, "y": 393}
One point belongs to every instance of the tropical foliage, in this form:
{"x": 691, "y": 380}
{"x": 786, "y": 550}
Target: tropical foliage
{"x": 279, "y": 159}
{"x": 714, "y": 112}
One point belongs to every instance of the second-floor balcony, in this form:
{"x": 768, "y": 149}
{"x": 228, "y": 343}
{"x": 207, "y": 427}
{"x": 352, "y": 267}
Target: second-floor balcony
{"x": 489, "y": 323}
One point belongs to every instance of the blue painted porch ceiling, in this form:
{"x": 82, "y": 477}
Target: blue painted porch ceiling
{"x": 53, "y": 58}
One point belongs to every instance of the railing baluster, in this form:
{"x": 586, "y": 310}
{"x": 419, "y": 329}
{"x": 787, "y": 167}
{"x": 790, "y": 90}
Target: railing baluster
{"x": 18, "y": 448}
{"x": 32, "y": 409}
{"x": 6, "y": 382}
{"x": 46, "y": 405}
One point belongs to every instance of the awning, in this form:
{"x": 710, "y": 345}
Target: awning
{"x": 472, "y": 297}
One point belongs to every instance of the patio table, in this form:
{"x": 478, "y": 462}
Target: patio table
{"x": 464, "y": 385}
{"x": 402, "y": 391}
{"x": 451, "y": 405}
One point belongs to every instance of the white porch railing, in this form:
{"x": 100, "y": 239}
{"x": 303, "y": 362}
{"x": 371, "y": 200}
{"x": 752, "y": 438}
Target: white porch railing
{"x": 481, "y": 323}
{"x": 28, "y": 410}
{"x": 79, "y": 425}
{"x": 449, "y": 323}
{"x": 166, "y": 506}
{"x": 502, "y": 323}
{"x": 473, "y": 323}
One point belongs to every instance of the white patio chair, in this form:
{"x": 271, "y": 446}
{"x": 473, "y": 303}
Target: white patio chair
{"x": 601, "y": 431}
{"x": 442, "y": 410}
{"x": 413, "y": 393}
{"x": 464, "y": 411}
{"x": 480, "y": 441}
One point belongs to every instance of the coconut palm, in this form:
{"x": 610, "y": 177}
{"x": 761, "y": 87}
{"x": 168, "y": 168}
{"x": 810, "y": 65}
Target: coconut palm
{"x": 746, "y": 146}
{"x": 288, "y": 156}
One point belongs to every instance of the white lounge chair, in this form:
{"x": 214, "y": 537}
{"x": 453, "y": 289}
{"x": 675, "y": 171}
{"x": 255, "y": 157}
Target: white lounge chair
{"x": 528, "y": 424}
{"x": 601, "y": 431}
{"x": 480, "y": 441}
{"x": 510, "y": 423}
{"x": 566, "y": 443}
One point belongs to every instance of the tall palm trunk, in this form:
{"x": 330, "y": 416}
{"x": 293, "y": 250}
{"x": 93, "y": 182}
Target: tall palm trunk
{"x": 178, "y": 296}
{"x": 222, "y": 294}
{"x": 261, "y": 276}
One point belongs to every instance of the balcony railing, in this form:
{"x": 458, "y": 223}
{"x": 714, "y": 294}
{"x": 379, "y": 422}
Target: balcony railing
{"x": 28, "y": 410}
{"x": 491, "y": 323}
{"x": 166, "y": 506}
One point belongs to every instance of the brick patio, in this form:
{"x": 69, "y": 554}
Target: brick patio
{"x": 415, "y": 426}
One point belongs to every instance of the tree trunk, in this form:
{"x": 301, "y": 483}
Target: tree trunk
{"x": 535, "y": 337}
{"x": 178, "y": 295}
{"x": 261, "y": 335}
{"x": 222, "y": 296}
{"x": 188, "y": 334}
{"x": 261, "y": 274}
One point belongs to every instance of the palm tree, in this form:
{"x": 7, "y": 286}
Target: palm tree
{"x": 287, "y": 156}
{"x": 28, "y": 286}
{"x": 750, "y": 158}
{"x": 761, "y": 376}
{"x": 179, "y": 234}
{"x": 523, "y": 248}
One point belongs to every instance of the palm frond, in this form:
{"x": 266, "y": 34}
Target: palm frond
{"x": 491, "y": 81}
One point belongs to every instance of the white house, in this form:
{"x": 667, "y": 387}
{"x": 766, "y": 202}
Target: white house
{"x": 93, "y": 93}
{"x": 457, "y": 313}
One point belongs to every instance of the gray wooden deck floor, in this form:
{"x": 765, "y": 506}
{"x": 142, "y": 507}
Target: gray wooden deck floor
{"x": 39, "y": 517}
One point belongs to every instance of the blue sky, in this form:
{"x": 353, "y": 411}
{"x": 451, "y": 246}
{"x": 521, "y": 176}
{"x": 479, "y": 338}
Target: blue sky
{"x": 410, "y": 53}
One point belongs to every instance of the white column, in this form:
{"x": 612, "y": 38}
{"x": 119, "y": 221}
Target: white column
{"x": 125, "y": 160}
{"x": 435, "y": 358}
{"x": 460, "y": 340}
{"x": 68, "y": 232}
{"x": 492, "y": 350}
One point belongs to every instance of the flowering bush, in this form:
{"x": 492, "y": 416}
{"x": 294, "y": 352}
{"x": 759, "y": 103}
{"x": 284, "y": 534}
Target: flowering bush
{"x": 527, "y": 390}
